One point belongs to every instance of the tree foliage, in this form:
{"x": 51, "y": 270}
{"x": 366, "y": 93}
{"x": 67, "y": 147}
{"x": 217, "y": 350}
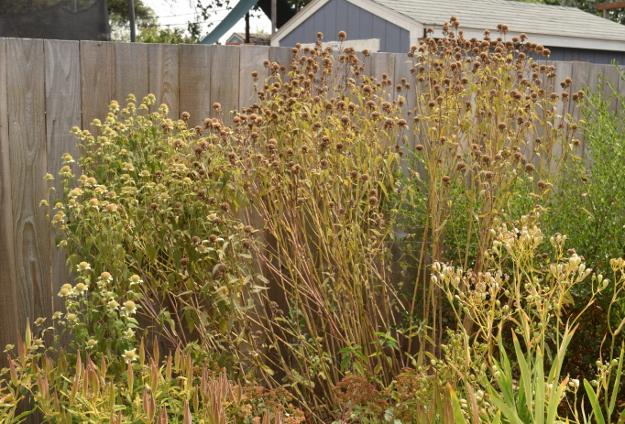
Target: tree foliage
{"x": 590, "y": 6}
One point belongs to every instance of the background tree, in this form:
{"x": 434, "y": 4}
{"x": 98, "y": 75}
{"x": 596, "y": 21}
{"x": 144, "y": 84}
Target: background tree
{"x": 590, "y": 6}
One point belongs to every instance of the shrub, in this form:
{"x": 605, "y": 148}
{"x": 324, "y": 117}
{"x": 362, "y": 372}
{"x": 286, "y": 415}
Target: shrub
{"x": 151, "y": 227}
{"x": 488, "y": 142}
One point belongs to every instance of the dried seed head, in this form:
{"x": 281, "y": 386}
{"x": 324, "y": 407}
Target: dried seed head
{"x": 342, "y": 35}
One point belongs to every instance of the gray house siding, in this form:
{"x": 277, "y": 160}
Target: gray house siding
{"x": 340, "y": 15}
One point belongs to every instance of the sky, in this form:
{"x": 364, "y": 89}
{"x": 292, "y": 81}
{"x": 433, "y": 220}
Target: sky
{"x": 176, "y": 14}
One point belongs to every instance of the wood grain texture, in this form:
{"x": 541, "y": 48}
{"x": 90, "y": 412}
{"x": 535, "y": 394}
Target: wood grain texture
{"x": 164, "y": 76}
{"x": 281, "y": 55}
{"x": 251, "y": 59}
{"x": 611, "y": 76}
{"x": 383, "y": 63}
{"x": 98, "y": 80}
{"x": 224, "y": 67}
{"x": 131, "y": 71}
{"x": 63, "y": 111}
{"x": 580, "y": 74}
{"x": 8, "y": 279}
{"x": 195, "y": 82}
{"x": 563, "y": 70}
{"x": 28, "y": 164}
{"x": 403, "y": 64}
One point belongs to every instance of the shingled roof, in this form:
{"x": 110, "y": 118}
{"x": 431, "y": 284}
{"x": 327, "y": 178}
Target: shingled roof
{"x": 519, "y": 16}
{"x": 553, "y": 26}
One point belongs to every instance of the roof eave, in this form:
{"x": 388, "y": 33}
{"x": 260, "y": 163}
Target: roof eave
{"x": 546, "y": 39}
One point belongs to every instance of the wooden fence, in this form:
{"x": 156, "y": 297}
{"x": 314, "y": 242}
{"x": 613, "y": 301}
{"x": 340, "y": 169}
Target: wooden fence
{"x": 48, "y": 86}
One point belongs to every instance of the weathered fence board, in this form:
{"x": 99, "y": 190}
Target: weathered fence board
{"x": 131, "y": 71}
{"x": 28, "y": 165}
{"x": 224, "y": 63}
{"x": 63, "y": 111}
{"x": 195, "y": 83}
{"x": 251, "y": 59}
{"x": 163, "y": 79}
{"x": 48, "y": 87}
{"x": 97, "y": 67}
{"x": 8, "y": 278}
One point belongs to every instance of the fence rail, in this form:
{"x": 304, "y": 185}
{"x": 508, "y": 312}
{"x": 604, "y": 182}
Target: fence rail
{"x": 49, "y": 86}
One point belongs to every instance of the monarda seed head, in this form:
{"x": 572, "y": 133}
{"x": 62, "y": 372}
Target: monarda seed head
{"x": 185, "y": 116}
{"x": 529, "y": 168}
{"x": 217, "y": 106}
{"x": 342, "y": 35}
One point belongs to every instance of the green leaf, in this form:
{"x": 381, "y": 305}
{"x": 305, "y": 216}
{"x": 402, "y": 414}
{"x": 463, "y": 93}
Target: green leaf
{"x": 455, "y": 403}
{"x": 592, "y": 397}
{"x": 151, "y": 251}
{"x": 526, "y": 375}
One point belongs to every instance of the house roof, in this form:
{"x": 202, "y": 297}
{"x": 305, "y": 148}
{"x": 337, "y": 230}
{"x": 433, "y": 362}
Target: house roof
{"x": 553, "y": 26}
{"x": 255, "y": 38}
{"x": 519, "y": 16}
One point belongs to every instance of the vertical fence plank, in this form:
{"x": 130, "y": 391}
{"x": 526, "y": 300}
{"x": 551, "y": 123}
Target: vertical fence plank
{"x": 580, "y": 74}
{"x": 403, "y": 64}
{"x": 195, "y": 96}
{"x": 27, "y": 131}
{"x": 611, "y": 76}
{"x": 8, "y": 280}
{"x": 282, "y": 56}
{"x": 98, "y": 82}
{"x": 563, "y": 70}
{"x": 163, "y": 78}
{"x": 383, "y": 63}
{"x": 131, "y": 73}
{"x": 224, "y": 64}
{"x": 63, "y": 111}
{"x": 251, "y": 59}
